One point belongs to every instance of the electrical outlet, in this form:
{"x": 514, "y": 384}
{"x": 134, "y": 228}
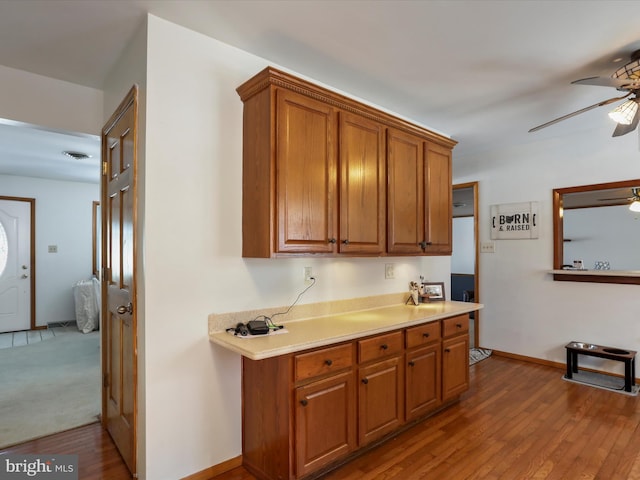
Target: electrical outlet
{"x": 488, "y": 247}
{"x": 53, "y": 249}
{"x": 308, "y": 274}
{"x": 389, "y": 272}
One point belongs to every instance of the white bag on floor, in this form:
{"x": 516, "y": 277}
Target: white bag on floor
{"x": 86, "y": 294}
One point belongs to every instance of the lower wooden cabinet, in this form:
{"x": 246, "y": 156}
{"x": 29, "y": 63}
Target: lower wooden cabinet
{"x": 455, "y": 356}
{"x": 423, "y": 390}
{"x": 303, "y": 412}
{"x": 325, "y": 421}
{"x": 380, "y": 399}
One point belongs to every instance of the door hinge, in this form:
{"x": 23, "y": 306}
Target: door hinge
{"x": 104, "y": 168}
{"x": 105, "y": 380}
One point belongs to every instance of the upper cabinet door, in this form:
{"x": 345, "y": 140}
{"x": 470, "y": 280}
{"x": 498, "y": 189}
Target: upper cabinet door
{"x": 438, "y": 199}
{"x": 362, "y": 185}
{"x": 405, "y": 193}
{"x": 305, "y": 174}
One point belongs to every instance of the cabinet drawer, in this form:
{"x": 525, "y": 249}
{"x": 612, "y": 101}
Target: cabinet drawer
{"x": 380, "y": 346}
{"x": 423, "y": 334}
{"x": 455, "y": 325}
{"x": 320, "y": 362}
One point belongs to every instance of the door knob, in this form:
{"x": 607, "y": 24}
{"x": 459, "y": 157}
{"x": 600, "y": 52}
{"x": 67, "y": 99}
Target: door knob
{"x": 122, "y": 309}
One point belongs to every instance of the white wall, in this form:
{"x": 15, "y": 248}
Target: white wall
{"x": 63, "y": 218}
{"x": 526, "y": 312}
{"x": 48, "y": 102}
{"x": 192, "y": 250}
{"x": 57, "y": 105}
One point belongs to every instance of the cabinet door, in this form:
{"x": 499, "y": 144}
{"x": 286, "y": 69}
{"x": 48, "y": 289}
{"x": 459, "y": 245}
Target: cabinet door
{"x": 405, "y": 194}
{"x": 438, "y": 199}
{"x": 380, "y": 399}
{"x": 362, "y": 185}
{"x": 305, "y": 175}
{"x": 455, "y": 366}
{"x": 423, "y": 381}
{"x": 325, "y": 422}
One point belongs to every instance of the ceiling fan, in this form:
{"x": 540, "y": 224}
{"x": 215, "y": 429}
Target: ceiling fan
{"x": 634, "y": 199}
{"x": 624, "y": 79}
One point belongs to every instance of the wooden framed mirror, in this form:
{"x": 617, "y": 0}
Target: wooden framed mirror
{"x": 595, "y": 234}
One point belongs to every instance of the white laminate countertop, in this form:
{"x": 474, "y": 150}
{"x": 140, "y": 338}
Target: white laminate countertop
{"x": 330, "y": 329}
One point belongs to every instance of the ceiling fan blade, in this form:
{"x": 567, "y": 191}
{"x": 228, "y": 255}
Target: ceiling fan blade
{"x": 624, "y": 129}
{"x": 578, "y": 112}
{"x": 619, "y": 83}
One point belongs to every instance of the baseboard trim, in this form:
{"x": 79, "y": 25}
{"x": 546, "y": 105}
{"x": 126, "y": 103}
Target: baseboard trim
{"x": 524, "y": 358}
{"x": 549, "y": 363}
{"x": 215, "y": 470}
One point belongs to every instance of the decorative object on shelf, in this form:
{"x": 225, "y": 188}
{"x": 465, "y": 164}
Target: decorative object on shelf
{"x": 414, "y": 290}
{"x": 514, "y": 221}
{"x": 433, "y": 291}
{"x": 602, "y": 266}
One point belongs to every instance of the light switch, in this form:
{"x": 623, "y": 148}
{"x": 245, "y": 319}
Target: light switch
{"x": 488, "y": 247}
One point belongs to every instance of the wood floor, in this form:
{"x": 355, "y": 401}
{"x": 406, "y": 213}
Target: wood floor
{"x": 98, "y": 458}
{"x": 518, "y": 421}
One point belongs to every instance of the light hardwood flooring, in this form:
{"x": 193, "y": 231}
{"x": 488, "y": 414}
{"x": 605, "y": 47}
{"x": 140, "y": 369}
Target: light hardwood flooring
{"x": 518, "y": 420}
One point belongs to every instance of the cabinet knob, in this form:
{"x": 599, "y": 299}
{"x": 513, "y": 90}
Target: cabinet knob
{"x": 412, "y": 363}
{"x": 365, "y": 380}
{"x": 384, "y": 346}
{"x": 332, "y": 240}
{"x": 328, "y": 362}
{"x": 459, "y": 325}
{"x": 304, "y": 402}
{"x": 447, "y": 350}
{"x": 423, "y": 245}
{"x": 425, "y": 335}
{"x": 345, "y": 241}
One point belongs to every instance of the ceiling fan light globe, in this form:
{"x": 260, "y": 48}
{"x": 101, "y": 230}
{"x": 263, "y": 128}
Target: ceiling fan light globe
{"x": 635, "y": 206}
{"x": 625, "y": 112}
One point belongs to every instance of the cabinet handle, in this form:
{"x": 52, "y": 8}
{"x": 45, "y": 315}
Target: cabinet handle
{"x": 304, "y": 402}
{"x": 423, "y": 245}
{"x": 345, "y": 241}
{"x": 332, "y": 240}
{"x": 447, "y": 350}
{"x": 384, "y": 346}
{"x": 328, "y": 362}
{"x": 459, "y": 325}
{"x": 411, "y": 363}
{"x": 365, "y": 380}
{"x": 425, "y": 335}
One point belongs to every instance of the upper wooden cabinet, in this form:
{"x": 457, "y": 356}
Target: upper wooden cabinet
{"x": 305, "y": 175}
{"x": 362, "y": 185}
{"x": 439, "y": 201}
{"x": 324, "y": 174}
{"x": 406, "y": 199}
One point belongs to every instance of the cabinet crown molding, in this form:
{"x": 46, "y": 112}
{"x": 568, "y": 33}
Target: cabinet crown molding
{"x": 271, "y": 76}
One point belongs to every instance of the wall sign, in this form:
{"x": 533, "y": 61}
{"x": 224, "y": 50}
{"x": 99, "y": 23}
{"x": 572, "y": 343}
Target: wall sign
{"x": 514, "y": 220}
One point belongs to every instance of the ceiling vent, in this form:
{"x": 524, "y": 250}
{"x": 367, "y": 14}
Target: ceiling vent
{"x": 76, "y": 155}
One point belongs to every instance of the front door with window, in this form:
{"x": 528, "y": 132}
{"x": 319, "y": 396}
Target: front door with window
{"x": 15, "y": 265}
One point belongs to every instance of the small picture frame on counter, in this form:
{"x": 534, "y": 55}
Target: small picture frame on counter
{"x": 433, "y": 292}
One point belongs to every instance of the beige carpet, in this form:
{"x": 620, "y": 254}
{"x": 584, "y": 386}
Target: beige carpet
{"x": 49, "y": 386}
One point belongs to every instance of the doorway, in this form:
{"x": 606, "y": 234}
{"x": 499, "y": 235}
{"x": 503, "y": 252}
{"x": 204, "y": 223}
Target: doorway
{"x": 464, "y": 260}
{"x": 46, "y": 171}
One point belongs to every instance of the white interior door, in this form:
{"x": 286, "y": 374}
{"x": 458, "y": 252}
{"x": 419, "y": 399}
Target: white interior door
{"x": 15, "y": 265}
